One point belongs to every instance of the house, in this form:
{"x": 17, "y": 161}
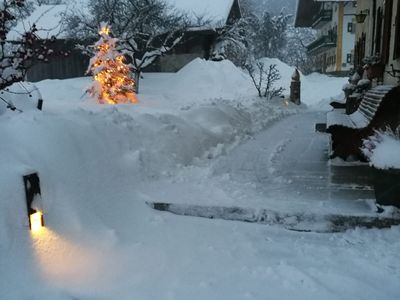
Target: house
{"x": 334, "y": 21}
{"x": 68, "y": 62}
{"x": 378, "y": 40}
{"x": 197, "y": 41}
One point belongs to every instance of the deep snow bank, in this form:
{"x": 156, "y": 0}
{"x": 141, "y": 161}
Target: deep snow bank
{"x": 317, "y": 90}
{"x": 201, "y": 79}
{"x": 102, "y": 240}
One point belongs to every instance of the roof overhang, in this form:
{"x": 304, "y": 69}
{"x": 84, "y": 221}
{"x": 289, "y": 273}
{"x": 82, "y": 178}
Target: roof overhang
{"x": 306, "y": 9}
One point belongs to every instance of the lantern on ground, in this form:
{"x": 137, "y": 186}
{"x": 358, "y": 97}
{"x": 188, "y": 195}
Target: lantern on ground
{"x": 33, "y": 194}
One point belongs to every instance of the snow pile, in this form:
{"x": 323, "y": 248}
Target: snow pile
{"x": 101, "y": 240}
{"x": 314, "y": 87}
{"x": 285, "y": 71}
{"x": 317, "y": 86}
{"x": 92, "y": 161}
{"x": 20, "y": 96}
{"x": 383, "y": 150}
{"x": 207, "y": 79}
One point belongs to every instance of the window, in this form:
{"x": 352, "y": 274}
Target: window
{"x": 387, "y": 30}
{"x": 349, "y": 58}
{"x": 378, "y": 36}
{"x": 373, "y": 28}
{"x": 397, "y": 35}
{"x": 350, "y": 27}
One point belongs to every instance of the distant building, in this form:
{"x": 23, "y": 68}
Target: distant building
{"x": 334, "y": 21}
{"x": 49, "y": 22}
{"x": 197, "y": 41}
{"x": 378, "y": 39}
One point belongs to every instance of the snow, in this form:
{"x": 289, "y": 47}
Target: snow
{"x": 211, "y": 78}
{"x": 384, "y": 153}
{"x": 317, "y": 90}
{"x": 196, "y": 135}
{"x": 215, "y": 11}
{"x": 339, "y": 117}
{"x": 48, "y": 21}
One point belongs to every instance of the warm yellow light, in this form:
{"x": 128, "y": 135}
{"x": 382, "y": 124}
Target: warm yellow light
{"x": 105, "y": 30}
{"x": 36, "y": 220}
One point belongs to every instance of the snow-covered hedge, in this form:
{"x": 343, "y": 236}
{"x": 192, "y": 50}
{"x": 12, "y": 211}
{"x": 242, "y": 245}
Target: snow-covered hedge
{"x": 383, "y": 150}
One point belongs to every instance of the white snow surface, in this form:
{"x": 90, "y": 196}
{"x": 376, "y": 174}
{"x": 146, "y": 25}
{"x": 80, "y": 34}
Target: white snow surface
{"x": 98, "y": 165}
{"x": 317, "y": 90}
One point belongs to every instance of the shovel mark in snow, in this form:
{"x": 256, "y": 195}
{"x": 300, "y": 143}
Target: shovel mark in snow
{"x": 304, "y": 222}
{"x": 274, "y": 156}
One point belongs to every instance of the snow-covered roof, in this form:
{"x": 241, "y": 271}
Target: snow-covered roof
{"x": 48, "y": 21}
{"x": 49, "y": 18}
{"x": 217, "y": 11}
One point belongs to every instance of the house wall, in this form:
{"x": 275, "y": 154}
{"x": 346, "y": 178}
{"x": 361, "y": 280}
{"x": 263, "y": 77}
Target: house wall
{"x": 195, "y": 44}
{"x": 335, "y": 60}
{"x": 396, "y": 62}
{"x": 60, "y": 66}
{"x": 343, "y": 18}
{"x": 369, "y": 30}
{"x": 349, "y": 28}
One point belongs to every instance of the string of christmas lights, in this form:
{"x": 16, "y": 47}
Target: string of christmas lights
{"x": 113, "y": 83}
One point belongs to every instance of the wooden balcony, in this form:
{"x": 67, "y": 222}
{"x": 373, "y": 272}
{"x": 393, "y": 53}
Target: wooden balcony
{"x": 322, "y": 43}
{"x": 324, "y": 16}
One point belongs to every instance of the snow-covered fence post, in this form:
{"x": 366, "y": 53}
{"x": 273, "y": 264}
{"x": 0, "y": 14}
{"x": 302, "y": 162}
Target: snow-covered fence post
{"x": 295, "y": 88}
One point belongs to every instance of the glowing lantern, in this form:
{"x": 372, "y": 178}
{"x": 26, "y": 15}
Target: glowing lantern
{"x": 33, "y": 194}
{"x": 36, "y": 221}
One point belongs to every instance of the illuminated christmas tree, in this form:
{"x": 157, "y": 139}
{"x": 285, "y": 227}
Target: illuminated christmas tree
{"x": 112, "y": 77}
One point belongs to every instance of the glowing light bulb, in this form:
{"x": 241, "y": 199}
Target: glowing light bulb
{"x": 36, "y": 220}
{"x": 105, "y": 30}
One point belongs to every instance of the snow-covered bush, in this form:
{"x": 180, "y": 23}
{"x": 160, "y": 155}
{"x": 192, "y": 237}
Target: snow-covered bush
{"x": 18, "y": 55}
{"x": 232, "y": 43}
{"x": 383, "y": 149}
{"x": 264, "y": 79}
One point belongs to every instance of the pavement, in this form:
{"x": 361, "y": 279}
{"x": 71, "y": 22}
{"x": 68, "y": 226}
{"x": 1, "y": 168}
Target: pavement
{"x": 283, "y": 172}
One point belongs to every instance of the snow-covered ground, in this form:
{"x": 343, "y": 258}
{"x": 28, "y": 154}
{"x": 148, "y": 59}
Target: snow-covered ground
{"x": 99, "y": 165}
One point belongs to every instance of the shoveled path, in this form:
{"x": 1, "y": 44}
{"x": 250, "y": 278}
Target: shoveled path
{"x": 282, "y": 173}
{"x": 288, "y": 163}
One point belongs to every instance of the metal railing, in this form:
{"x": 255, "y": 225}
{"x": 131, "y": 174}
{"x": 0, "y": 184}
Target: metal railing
{"x": 325, "y": 41}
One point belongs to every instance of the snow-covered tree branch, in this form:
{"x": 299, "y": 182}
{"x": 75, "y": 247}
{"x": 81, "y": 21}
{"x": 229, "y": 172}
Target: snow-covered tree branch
{"x": 17, "y": 55}
{"x": 264, "y": 78}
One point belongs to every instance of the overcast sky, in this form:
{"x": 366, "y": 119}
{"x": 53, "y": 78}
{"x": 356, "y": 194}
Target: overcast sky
{"x": 276, "y": 6}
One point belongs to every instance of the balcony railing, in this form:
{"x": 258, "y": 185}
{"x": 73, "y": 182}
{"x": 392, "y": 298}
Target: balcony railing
{"x": 324, "y": 16}
{"x": 323, "y": 42}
